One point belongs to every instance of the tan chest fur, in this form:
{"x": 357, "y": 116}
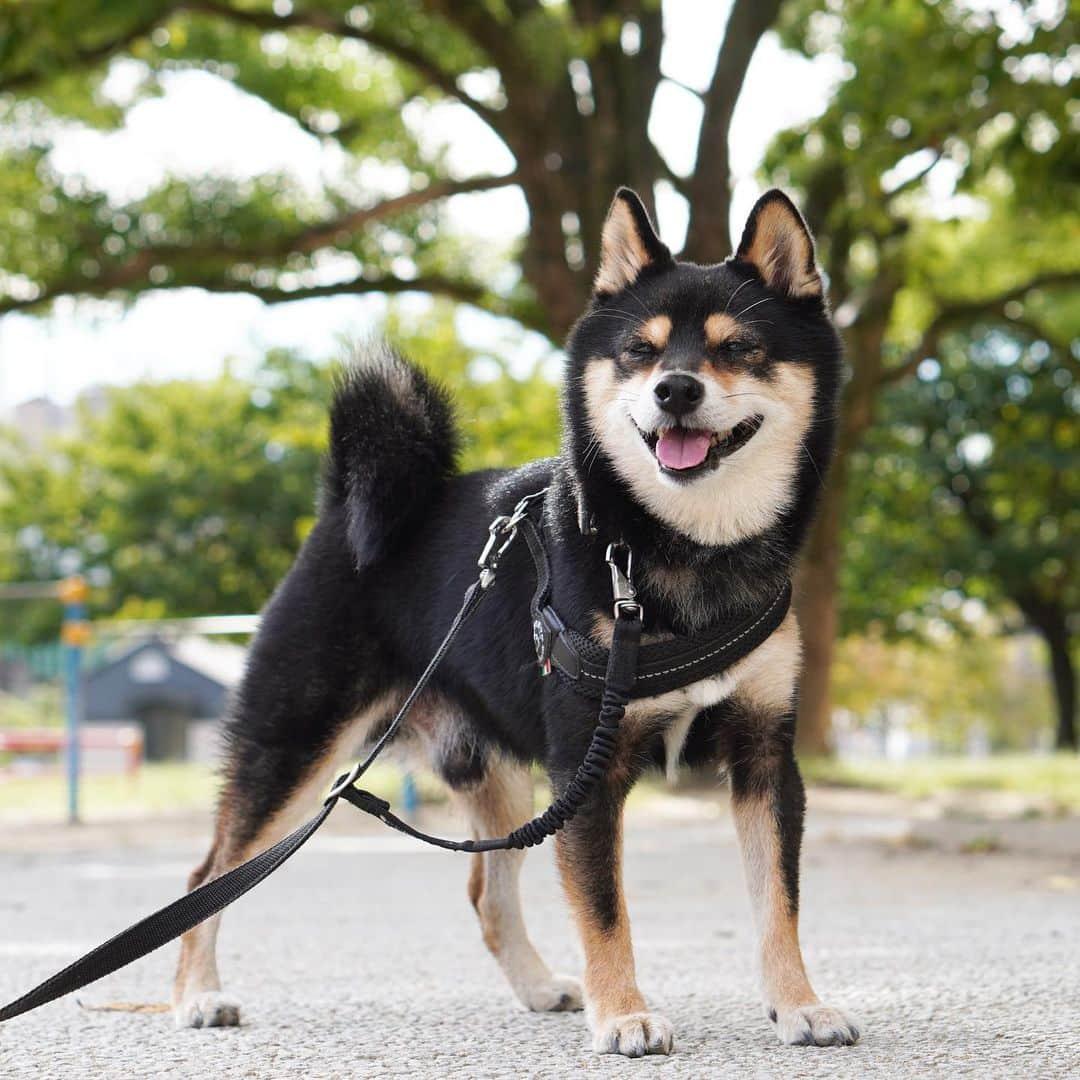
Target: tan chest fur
{"x": 764, "y": 682}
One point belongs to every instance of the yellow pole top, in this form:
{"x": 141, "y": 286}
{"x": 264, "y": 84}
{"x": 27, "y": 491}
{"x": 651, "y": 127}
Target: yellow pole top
{"x": 73, "y": 590}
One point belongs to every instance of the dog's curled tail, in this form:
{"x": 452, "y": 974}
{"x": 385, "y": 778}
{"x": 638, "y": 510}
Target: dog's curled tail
{"x": 393, "y": 444}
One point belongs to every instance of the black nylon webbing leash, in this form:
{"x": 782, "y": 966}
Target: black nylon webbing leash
{"x": 614, "y": 676}
{"x": 188, "y": 911}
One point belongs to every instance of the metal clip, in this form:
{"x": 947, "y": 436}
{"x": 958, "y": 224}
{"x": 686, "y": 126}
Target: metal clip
{"x": 501, "y": 533}
{"x": 622, "y": 585}
{"x": 503, "y": 526}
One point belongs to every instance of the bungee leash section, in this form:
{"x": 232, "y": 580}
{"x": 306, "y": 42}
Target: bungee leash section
{"x": 201, "y": 903}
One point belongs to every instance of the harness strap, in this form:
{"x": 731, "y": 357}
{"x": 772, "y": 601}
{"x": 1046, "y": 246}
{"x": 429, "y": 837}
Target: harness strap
{"x": 620, "y": 678}
{"x": 663, "y": 666}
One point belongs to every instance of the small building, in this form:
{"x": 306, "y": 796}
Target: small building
{"x": 176, "y": 690}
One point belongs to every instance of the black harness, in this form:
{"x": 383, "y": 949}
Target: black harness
{"x": 614, "y": 676}
{"x": 661, "y": 667}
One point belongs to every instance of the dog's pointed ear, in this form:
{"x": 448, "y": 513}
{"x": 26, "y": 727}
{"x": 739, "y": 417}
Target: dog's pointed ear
{"x": 628, "y": 244}
{"x": 777, "y": 244}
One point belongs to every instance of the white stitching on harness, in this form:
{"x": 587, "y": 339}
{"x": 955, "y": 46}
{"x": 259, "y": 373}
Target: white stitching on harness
{"x": 719, "y": 648}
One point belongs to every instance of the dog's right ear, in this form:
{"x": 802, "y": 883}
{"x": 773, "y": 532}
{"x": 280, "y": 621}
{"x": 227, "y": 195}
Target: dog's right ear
{"x": 628, "y": 244}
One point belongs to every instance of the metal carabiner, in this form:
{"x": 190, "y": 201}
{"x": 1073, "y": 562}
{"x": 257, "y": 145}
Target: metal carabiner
{"x": 622, "y": 584}
{"x": 505, "y": 525}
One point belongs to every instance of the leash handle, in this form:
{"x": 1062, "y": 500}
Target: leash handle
{"x": 170, "y": 922}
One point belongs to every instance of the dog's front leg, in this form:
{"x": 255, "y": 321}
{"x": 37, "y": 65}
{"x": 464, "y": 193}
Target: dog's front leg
{"x": 768, "y": 800}
{"x": 590, "y": 863}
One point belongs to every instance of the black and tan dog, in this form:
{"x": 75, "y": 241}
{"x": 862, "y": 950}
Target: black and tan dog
{"x": 698, "y": 410}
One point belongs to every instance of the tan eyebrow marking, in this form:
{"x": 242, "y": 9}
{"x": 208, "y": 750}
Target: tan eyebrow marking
{"x": 720, "y": 327}
{"x": 656, "y": 331}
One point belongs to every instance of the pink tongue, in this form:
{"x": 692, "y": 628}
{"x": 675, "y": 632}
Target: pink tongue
{"x": 678, "y": 448}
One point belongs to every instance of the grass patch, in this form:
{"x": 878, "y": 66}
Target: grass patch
{"x": 162, "y": 789}
{"x": 157, "y": 789}
{"x": 1055, "y": 777}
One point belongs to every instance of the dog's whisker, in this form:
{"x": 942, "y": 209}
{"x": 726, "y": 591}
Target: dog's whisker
{"x": 810, "y": 458}
{"x": 641, "y": 303}
{"x": 727, "y": 306}
{"x": 750, "y": 307}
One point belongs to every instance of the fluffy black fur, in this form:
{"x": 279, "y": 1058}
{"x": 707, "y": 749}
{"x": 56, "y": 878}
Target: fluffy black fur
{"x": 392, "y": 445}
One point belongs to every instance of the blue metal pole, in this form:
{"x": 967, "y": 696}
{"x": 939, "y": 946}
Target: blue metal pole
{"x": 410, "y": 798}
{"x": 74, "y": 634}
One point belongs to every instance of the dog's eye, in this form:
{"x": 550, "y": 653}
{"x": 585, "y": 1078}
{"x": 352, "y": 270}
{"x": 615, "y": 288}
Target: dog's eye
{"x": 733, "y": 347}
{"x": 641, "y": 350}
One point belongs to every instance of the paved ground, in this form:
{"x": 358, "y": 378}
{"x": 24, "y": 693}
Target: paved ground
{"x": 361, "y": 958}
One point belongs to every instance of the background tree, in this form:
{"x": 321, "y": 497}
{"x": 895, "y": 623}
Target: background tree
{"x": 987, "y": 439}
{"x": 939, "y": 177}
{"x": 567, "y": 88}
{"x": 940, "y": 183}
{"x": 188, "y": 498}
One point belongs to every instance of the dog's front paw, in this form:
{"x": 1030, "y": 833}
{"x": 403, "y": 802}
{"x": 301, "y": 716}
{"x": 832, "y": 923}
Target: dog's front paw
{"x": 634, "y": 1035}
{"x": 814, "y": 1025}
{"x": 208, "y": 1009}
{"x": 559, "y": 993}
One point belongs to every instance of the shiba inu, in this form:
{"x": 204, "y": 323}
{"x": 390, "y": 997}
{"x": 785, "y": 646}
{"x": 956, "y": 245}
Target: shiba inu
{"x": 698, "y": 414}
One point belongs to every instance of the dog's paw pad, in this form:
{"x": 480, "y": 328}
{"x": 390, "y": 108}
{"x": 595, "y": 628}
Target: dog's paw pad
{"x": 815, "y": 1025}
{"x": 634, "y": 1035}
{"x": 560, "y": 993}
{"x": 209, "y": 1009}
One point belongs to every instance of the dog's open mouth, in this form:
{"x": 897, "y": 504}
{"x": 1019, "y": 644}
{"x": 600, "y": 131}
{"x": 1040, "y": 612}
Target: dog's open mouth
{"x": 687, "y": 451}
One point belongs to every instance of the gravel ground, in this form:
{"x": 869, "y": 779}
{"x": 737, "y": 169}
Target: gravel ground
{"x": 361, "y": 958}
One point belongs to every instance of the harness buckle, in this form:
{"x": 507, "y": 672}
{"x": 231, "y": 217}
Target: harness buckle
{"x": 622, "y": 586}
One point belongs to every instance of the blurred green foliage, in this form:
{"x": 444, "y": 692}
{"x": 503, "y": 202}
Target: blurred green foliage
{"x": 189, "y": 498}
{"x": 969, "y": 489}
{"x": 970, "y": 690}
{"x": 941, "y": 180}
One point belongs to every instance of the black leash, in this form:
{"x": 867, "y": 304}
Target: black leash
{"x": 201, "y": 903}
{"x": 614, "y": 676}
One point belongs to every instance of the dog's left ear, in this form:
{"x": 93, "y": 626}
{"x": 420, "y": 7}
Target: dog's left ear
{"x": 778, "y": 245}
{"x": 628, "y": 245}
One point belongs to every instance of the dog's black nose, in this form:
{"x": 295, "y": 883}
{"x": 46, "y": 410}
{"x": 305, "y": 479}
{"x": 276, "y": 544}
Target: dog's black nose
{"x": 679, "y": 394}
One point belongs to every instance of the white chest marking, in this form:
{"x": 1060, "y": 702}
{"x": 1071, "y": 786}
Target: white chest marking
{"x": 682, "y": 706}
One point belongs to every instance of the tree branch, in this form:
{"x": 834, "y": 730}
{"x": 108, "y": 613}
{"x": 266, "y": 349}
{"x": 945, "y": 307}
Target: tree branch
{"x": 912, "y": 181}
{"x": 464, "y": 291}
{"x": 86, "y": 58}
{"x": 319, "y": 235}
{"x": 267, "y": 20}
{"x": 709, "y": 189}
{"x": 133, "y": 271}
{"x": 967, "y": 311}
{"x": 331, "y": 24}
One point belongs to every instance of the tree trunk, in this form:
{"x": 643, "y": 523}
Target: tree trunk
{"x": 818, "y": 620}
{"x": 819, "y": 570}
{"x": 1051, "y": 622}
{"x": 1064, "y": 676}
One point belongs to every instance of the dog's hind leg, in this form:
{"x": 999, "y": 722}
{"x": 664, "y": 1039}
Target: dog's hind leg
{"x": 269, "y": 791}
{"x": 500, "y": 802}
